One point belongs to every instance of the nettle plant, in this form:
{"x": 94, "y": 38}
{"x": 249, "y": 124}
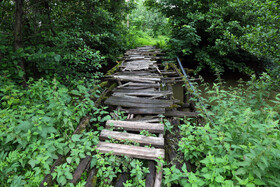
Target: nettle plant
{"x": 239, "y": 145}
{"x": 35, "y": 127}
{"x": 110, "y": 166}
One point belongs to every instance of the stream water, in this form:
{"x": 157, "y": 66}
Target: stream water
{"x": 230, "y": 80}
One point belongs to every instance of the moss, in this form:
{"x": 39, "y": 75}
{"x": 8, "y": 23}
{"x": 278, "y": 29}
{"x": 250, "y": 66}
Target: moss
{"x": 114, "y": 69}
{"x": 103, "y": 95}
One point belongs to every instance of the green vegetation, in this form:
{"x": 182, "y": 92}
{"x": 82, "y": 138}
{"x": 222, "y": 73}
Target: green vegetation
{"x": 36, "y": 127}
{"x": 238, "y": 145}
{"x": 53, "y": 55}
{"x": 147, "y": 27}
{"x": 235, "y": 34}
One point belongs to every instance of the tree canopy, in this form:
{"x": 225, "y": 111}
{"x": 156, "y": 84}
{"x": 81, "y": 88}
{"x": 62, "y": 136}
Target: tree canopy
{"x": 218, "y": 34}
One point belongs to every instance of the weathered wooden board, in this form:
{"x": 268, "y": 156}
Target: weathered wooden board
{"x": 135, "y": 84}
{"x": 156, "y": 120}
{"x": 132, "y": 99}
{"x": 169, "y": 73}
{"x": 124, "y": 103}
{"x": 131, "y": 151}
{"x": 135, "y": 78}
{"x": 141, "y": 139}
{"x": 159, "y": 173}
{"x": 80, "y": 169}
{"x": 146, "y": 110}
{"x": 142, "y": 93}
{"x": 138, "y": 73}
{"x": 124, "y": 89}
{"x": 181, "y": 114}
{"x": 150, "y": 178}
{"x": 136, "y": 126}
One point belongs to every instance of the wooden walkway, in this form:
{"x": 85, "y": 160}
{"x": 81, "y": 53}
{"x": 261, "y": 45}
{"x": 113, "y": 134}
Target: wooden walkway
{"x": 139, "y": 92}
{"x": 142, "y": 91}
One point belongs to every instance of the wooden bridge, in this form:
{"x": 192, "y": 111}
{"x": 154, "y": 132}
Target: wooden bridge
{"x": 145, "y": 94}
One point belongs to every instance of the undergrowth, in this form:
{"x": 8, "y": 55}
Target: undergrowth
{"x": 239, "y": 146}
{"x": 36, "y": 125}
{"x": 139, "y": 38}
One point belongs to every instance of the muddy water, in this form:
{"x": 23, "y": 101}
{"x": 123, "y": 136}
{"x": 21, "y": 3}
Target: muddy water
{"x": 230, "y": 81}
{"x": 178, "y": 92}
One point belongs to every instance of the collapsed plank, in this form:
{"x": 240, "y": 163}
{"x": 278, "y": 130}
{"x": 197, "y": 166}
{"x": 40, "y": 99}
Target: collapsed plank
{"x": 130, "y": 151}
{"x": 141, "y": 139}
{"x": 136, "y": 126}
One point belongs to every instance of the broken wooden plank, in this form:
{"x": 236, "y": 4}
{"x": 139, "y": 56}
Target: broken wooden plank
{"x": 124, "y": 89}
{"x": 138, "y": 73}
{"x": 146, "y": 119}
{"x": 130, "y": 151}
{"x": 148, "y": 85}
{"x": 175, "y": 113}
{"x": 135, "y": 78}
{"x": 145, "y": 93}
{"x": 80, "y": 169}
{"x": 124, "y": 103}
{"x": 92, "y": 179}
{"x": 141, "y": 139}
{"x": 136, "y": 126}
{"x": 146, "y": 110}
{"x": 159, "y": 172}
{"x": 133, "y": 99}
{"x": 150, "y": 178}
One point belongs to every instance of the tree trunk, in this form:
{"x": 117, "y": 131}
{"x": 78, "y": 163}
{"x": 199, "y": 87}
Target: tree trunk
{"x": 18, "y": 34}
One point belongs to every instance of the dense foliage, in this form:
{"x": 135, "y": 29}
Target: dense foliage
{"x": 239, "y": 142}
{"x": 147, "y": 27}
{"x": 36, "y": 127}
{"x": 74, "y": 38}
{"x": 218, "y": 34}
{"x": 53, "y": 54}
{"x": 57, "y": 50}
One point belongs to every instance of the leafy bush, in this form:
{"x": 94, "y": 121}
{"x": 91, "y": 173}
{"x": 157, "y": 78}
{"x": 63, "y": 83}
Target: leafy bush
{"x": 239, "y": 145}
{"x": 35, "y": 128}
{"x": 147, "y": 27}
{"x": 234, "y": 34}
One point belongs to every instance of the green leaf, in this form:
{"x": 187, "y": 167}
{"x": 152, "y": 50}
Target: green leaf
{"x": 240, "y": 171}
{"x": 93, "y": 162}
{"x": 207, "y": 176}
{"x": 32, "y": 163}
{"x": 76, "y": 137}
{"x": 219, "y": 179}
{"x": 57, "y": 58}
{"x": 62, "y": 180}
{"x": 75, "y": 92}
{"x": 69, "y": 159}
{"x": 69, "y": 175}
{"x": 77, "y": 160}
{"x": 71, "y": 145}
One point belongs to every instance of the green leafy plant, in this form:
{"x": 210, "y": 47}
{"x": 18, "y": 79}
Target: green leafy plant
{"x": 240, "y": 146}
{"x": 35, "y": 128}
